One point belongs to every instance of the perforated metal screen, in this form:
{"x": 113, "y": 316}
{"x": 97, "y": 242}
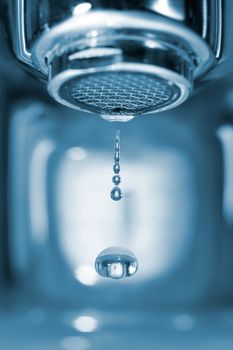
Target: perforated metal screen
{"x": 119, "y": 93}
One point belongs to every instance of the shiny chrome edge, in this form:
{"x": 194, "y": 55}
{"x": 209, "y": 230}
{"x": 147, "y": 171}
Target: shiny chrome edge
{"x": 212, "y": 26}
{"x": 219, "y": 29}
{"x": 53, "y": 39}
{"x": 20, "y": 45}
{"x": 182, "y": 62}
{"x": 184, "y": 85}
{"x": 205, "y": 18}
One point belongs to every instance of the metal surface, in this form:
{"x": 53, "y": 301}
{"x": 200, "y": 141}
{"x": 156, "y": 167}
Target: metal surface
{"x": 120, "y": 93}
{"x": 28, "y": 20}
{"x": 109, "y": 41}
{"x": 67, "y": 40}
{"x": 126, "y": 77}
{"x": 206, "y": 18}
{"x": 107, "y": 28}
{"x": 18, "y": 28}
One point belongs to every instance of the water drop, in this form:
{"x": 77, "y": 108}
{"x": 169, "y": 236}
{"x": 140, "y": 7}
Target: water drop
{"x": 116, "y": 179}
{"x": 116, "y": 168}
{"x": 116, "y": 193}
{"x": 117, "y": 146}
{"x": 117, "y": 156}
{"x": 117, "y": 117}
{"x": 116, "y": 263}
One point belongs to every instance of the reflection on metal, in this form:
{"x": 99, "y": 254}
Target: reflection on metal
{"x": 225, "y": 133}
{"x": 205, "y": 18}
{"x": 178, "y": 34}
{"x": 212, "y": 26}
{"x": 19, "y": 41}
{"x": 170, "y": 8}
{"x": 176, "y": 57}
{"x": 81, "y": 8}
{"x": 19, "y": 164}
{"x": 38, "y": 190}
{"x": 218, "y": 29}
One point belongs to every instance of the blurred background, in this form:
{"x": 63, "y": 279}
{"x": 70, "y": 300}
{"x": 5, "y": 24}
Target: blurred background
{"x": 56, "y": 216}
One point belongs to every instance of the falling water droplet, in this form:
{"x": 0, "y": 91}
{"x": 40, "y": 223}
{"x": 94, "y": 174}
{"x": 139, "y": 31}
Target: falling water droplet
{"x": 117, "y": 146}
{"x": 116, "y": 193}
{"x": 117, "y": 156}
{"x": 116, "y": 168}
{"x": 116, "y": 263}
{"x": 116, "y": 179}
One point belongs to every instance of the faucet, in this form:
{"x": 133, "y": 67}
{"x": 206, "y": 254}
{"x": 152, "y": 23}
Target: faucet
{"x": 117, "y": 59}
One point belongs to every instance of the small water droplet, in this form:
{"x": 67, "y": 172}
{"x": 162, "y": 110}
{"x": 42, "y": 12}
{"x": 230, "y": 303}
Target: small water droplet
{"x": 116, "y": 263}
{"x": 116, "y": 168}
{"x": 117, "y": 117}
{"x": 116, "y": 193}
{"x": 117, "y": 146}
{"x": 117, "y": 156}
{"x": 116, "y": 179}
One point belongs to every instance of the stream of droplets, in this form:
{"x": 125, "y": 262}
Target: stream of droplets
{"x": 116, "y": 262}
{"x": 116, "y": 193}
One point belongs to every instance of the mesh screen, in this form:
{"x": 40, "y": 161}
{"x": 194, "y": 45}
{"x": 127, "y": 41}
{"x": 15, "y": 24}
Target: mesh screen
{"x": 119, "y": 93}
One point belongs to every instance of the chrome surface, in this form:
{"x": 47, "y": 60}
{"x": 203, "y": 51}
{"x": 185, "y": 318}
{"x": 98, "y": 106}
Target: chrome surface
{"x": 120, "y": 93}
{"x": 29, "y": 19}
{"x": 18, "y": 23}
{"x": 217, "y": 29}
{"x": 131, "y": 43}
{"x": 210, "y": 26}
{"x": 170, "y": 33}
{"x": 107, "y": 28}
{"x": 123, "y": 83}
